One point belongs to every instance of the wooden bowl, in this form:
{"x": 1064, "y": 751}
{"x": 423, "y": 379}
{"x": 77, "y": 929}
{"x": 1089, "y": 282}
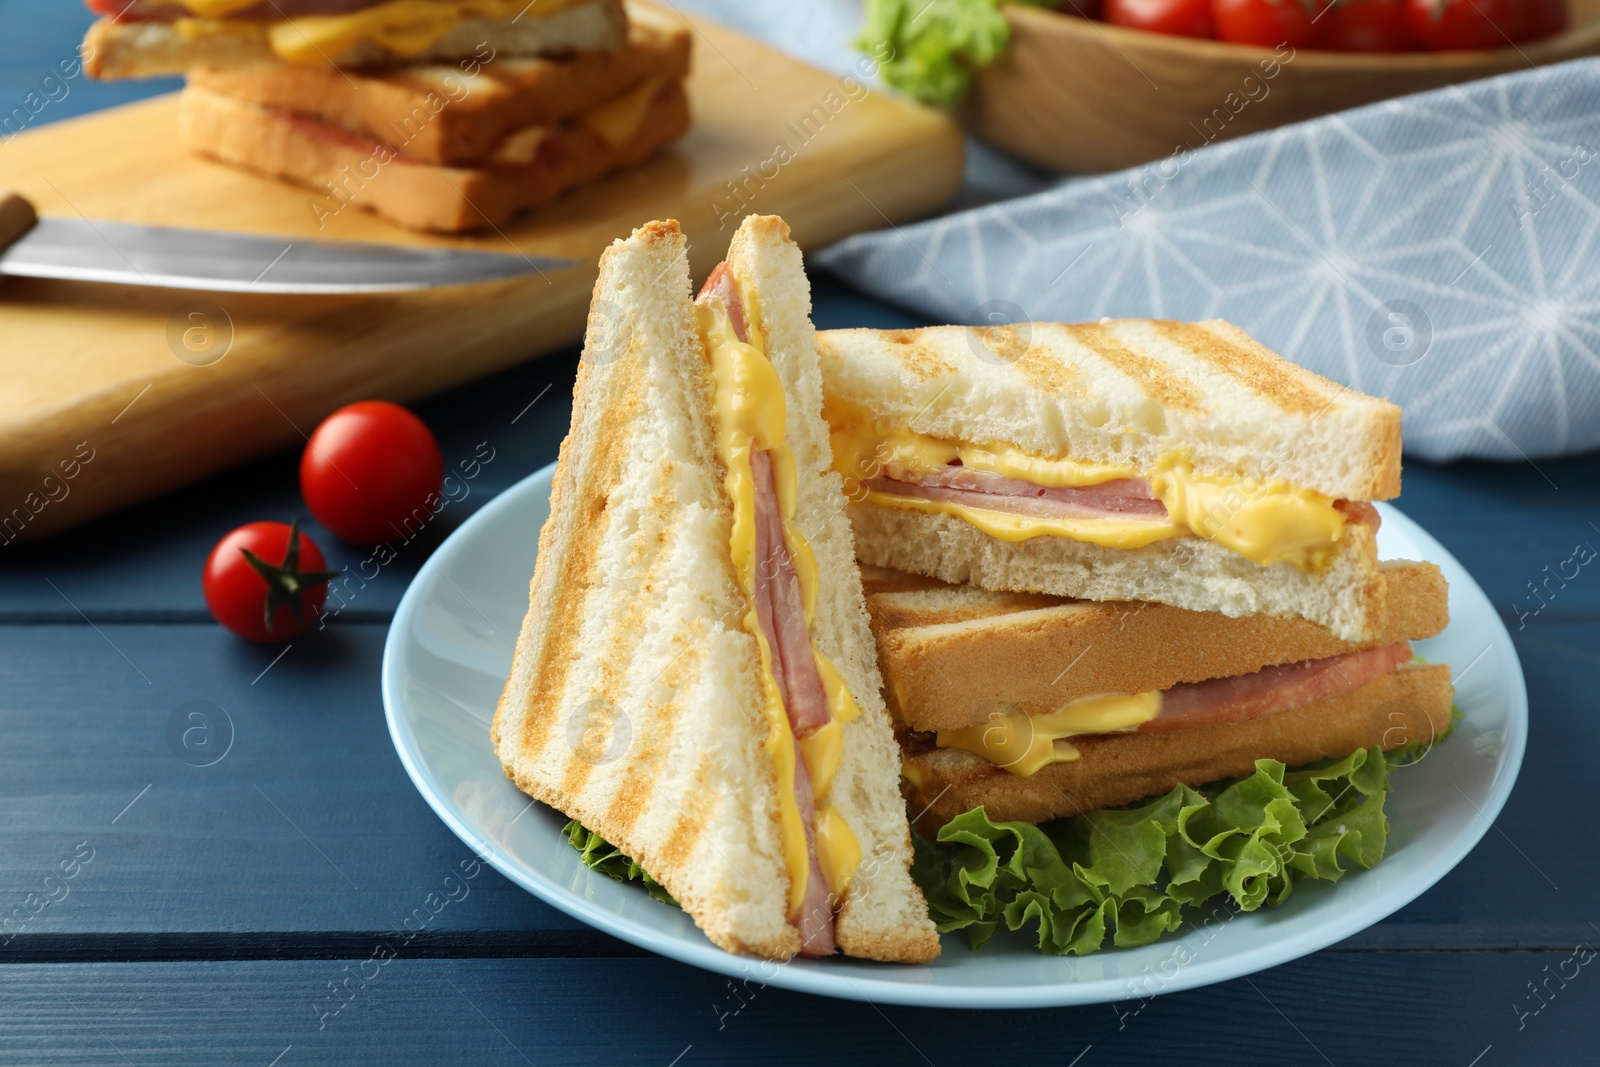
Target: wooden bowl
{"x": 1080, "y": 96}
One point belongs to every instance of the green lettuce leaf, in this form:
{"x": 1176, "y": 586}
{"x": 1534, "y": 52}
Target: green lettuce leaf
{"x": 599, "y": 854}
{"x": 1135, "y": 874}
{"x": 929, "y": 49}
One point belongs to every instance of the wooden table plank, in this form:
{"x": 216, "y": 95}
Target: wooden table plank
{"x": 1333, "y": 1008}
{"x": 308, "y": 823}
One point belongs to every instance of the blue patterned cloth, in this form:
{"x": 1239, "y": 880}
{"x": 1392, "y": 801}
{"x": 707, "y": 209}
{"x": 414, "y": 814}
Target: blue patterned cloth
{"x": 1438, "y": 249}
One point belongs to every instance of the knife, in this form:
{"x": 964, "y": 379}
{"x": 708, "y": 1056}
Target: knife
{"x": 130, "y": 254}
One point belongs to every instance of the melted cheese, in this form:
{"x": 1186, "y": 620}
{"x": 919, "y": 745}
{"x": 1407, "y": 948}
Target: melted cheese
{"x": 214, "y": 9}
{"x": 1022, "y": 744}
{"x": 616, "y": 121}
{"x": 406, "y": 27}
{"x": 862, "y": 448}
{"x": 1269, "y": 524}
{"x": 1266, "y": 523}
{"x": 751, "y": 415}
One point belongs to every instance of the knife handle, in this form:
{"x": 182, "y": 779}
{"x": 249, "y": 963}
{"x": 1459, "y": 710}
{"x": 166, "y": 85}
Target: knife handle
{"x": 16, "y": 217}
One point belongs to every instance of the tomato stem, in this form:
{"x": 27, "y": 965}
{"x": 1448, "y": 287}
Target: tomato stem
{"x": 286, "y": 582}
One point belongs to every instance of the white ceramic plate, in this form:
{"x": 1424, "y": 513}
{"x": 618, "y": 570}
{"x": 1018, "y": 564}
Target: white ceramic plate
{"x": 449, "y": 651}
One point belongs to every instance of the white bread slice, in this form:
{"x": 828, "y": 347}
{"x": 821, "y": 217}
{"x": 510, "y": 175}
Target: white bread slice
{"x": 884, "y": 915}
{"x": 634, "y": 698}
{"x": 633, "y": 701}
{"x": 1124, "y": 392}
{"x": 421, "y": 196}
{"x": 438, "y": 114}
{"x": 1187, "y": 572}
{"x": 953, "y": 655}
{"x": 128, "y": 49}
{"x": 1410, "y": 705}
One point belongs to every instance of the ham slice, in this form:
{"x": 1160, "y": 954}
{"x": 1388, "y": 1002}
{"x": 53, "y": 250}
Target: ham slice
{"x": 1123, "y": 498}
{"x": 815, "y": 921}
{"x": 1249, "y": 696}
{"x": 780, "y": 612}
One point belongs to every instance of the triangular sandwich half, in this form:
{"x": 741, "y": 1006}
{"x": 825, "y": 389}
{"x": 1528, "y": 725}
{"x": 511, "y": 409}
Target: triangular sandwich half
{"x": 696, "y": 680}
{"x": 1126, "y": 459}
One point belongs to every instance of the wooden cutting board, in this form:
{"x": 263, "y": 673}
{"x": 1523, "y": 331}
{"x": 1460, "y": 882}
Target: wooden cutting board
{"x": 91, "y": 380}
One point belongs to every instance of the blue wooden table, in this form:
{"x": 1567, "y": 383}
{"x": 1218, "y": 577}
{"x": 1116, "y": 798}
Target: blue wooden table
{"x": 163, "y": 907}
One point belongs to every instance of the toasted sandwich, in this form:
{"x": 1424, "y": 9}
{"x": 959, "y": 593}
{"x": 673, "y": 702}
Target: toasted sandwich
{"x": 1121, "y": 460}
{"x": 1037, "y": 707}
{"x": 147, "y": 38}
{"x": 432, "y": 147}
{"x": 696, "y": 680}
{"x": 437, "y": 114}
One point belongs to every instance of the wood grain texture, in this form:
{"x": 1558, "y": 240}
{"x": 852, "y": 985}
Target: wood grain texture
{"x": 309, "y": 826}
{"x": 98, "y": 367}
{"x": 1334, "y": 1008}
{"x": 1081, "y": 96}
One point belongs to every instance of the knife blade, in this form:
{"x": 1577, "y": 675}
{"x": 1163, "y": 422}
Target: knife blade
{"x": 219, "y": 261}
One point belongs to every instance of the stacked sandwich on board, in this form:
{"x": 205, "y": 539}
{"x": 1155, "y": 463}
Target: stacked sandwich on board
{"x": 1128, "y": 561}
{"x": 441, "y": 115}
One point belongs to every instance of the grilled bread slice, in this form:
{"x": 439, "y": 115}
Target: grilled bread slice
{"x": 953, "y": 655}
{"x": 437, "y": 114}
{"x": 1411, "y": 705}
{"x": 1124, "y": 392}
{"x": 635, "y": 698}
{"x": 1237, "y": 432}
{"x": 346, "y": 171}
{"x": 127, "y": 48}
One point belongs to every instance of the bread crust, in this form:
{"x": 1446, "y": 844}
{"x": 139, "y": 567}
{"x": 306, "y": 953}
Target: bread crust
{"x": 1410, "y": 705}
{"x": 115, "y": 49}
{"x": 436, "y": 115}
{"x": 1348, "y": 598}
{"x": 419, "y": 196}
{"x": 955, "y": 655}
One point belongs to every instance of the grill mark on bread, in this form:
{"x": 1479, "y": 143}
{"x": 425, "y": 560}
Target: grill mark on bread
{"x": 1038, "y": 366}
{"x": 689, "y": 825}
{"x": 626, "y": 634}
{"x": 654, "y": 723}
{"x": 920, "y": 360}
{"x": 1248, "y": 362}
{"x": 592, "y": 483}
{"x": 1158, "y": 381}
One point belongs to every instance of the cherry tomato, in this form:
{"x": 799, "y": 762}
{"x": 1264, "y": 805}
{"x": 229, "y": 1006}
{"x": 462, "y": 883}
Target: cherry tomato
{"x": 372, "y": 472}
{"x": 1181, "y": 18}
{"x": 266, "y": 581}
{"x": 1446, "y": 25}
{"x": 1086, "y": 9}
{"x": 1268, "y": 23}
{"x": 1542, "y": 18}
{"x": 1365, "y": 26}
